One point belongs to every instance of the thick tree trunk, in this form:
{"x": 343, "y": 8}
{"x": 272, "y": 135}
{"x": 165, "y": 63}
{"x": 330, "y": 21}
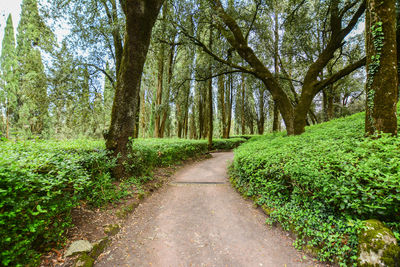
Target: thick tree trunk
{"x": 140, "y": 18}
{"x": 382, "y": 83}
{"x": 276, "y": 121}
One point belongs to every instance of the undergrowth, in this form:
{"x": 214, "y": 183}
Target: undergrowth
{"x": 323, "y": 183}
{"x": 41, "y": 181}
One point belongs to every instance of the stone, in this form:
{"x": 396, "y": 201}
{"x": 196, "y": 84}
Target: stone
{"x": 78, "y": 247}
{"x": 377, "y": 246}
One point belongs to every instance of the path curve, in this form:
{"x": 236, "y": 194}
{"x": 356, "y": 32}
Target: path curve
{"x": 192, "y": 222}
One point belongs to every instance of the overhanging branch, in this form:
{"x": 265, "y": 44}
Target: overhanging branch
{"x": 340, "y": 74}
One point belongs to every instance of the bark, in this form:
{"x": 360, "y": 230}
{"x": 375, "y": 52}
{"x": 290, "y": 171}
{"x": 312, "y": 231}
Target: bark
{"x": 382, "y": 83}
{"x": 137, "y": 118}
{"x": 242, "y": 121}
{"x": 261, "y": 114}
{"x": 221, "y": 105}
{"x": 210, "y": 97}
{"x": 276, "y": 121}
{"x": 140, "y": 18}
{"x": 143, "y": 111}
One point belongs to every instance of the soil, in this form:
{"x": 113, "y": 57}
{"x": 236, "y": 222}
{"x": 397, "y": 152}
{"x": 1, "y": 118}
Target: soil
{"x": 198, "y": 219}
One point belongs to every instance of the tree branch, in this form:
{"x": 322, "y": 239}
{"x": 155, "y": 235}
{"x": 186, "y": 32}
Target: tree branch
{"x": 354, "y": 19}
{"x": 213, "y": 55}
{"x": 340, "y": 74}
{"x": 253, "y": 20}
{"x": 103, "y": 71}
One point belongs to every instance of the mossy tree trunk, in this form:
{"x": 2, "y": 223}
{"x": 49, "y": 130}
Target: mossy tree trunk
{"x": 140, "y": 18}
{"x": 382, "y": 79}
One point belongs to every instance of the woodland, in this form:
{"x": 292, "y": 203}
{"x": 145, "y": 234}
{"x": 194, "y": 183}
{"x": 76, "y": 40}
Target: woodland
{"x": 95, "y": 94}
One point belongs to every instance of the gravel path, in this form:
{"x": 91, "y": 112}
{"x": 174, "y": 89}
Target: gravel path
{"x": 200, "y": 220}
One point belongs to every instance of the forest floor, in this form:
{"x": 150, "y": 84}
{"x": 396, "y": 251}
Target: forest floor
{"x": 198, "y": 219}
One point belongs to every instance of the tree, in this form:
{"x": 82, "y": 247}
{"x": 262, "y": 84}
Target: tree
{"x": 33, "y": 37}
{"x": 382, "y": 79}
{"x": 293, "y": 116}
{"x": 140, "y": 18}
{"x": 9, "y": 82}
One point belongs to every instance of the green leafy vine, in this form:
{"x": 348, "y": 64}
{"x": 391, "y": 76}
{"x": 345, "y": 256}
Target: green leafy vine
{"x": 377, "y": 39}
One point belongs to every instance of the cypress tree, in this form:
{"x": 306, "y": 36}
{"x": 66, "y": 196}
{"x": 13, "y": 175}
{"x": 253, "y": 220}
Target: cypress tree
{"x": 33, "y": 37}
{"x": 8, "y": 67}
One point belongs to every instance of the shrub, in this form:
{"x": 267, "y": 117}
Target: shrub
{"x": 322, "y": 183}
{"x": 41, "y": 181}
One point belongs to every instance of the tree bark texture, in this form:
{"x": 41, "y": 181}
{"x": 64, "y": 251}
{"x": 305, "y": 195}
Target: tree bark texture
{"x": 382, "y": 83}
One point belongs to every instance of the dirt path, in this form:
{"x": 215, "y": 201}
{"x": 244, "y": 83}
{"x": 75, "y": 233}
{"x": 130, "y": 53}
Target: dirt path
{"x": 200, "y": 220}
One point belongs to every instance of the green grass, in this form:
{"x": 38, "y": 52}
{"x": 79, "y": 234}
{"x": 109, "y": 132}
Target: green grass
{"x": 41, "y": 181}
{"x": 322, "y": 183}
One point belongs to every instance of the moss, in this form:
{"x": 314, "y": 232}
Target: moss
{"x": 391, "y": 255}
{"x": 124, "y": 211}
{"x": 111, "y": 229}
{"x": 84, "y": 261}
{"x": 99, "y": 247}
{"x": 267, "y": 210}
{"x": 379, "y": 241}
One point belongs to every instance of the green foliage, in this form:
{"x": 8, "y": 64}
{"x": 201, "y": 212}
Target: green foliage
{"x": 8, "y": 67}
{"x": 377, "y": 39}
{"x": 322, "y": 183}
{"x": 150, "y": 153}
{"x": 41, "y": 181}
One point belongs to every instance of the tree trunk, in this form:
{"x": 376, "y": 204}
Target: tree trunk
{"x": 137, "y": 118}
{"x": 140, "y": 18}
{"x": 160, "y": 78}
{"x": 210, "y": 97}
{"x": 276, "y": 121}
{"x": 143, "y": 111}
{"x": 382, "y": 84}
{"x": 221, "y": 105}
{"x": 261, "y": 115}
{"x": 242, "y": 121}
{"x": 165, "y": 109}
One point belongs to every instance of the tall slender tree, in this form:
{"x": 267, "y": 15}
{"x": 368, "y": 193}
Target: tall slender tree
{"x": 9, "y": 81}
{"x": 33, "y": 37}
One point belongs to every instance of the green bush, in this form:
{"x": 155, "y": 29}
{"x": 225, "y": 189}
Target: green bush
{"x": 227, "y": 144}
{"x": 41, "y": 181}
{"x": 39, "y": 184}
{"x": 322, "y": 183}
